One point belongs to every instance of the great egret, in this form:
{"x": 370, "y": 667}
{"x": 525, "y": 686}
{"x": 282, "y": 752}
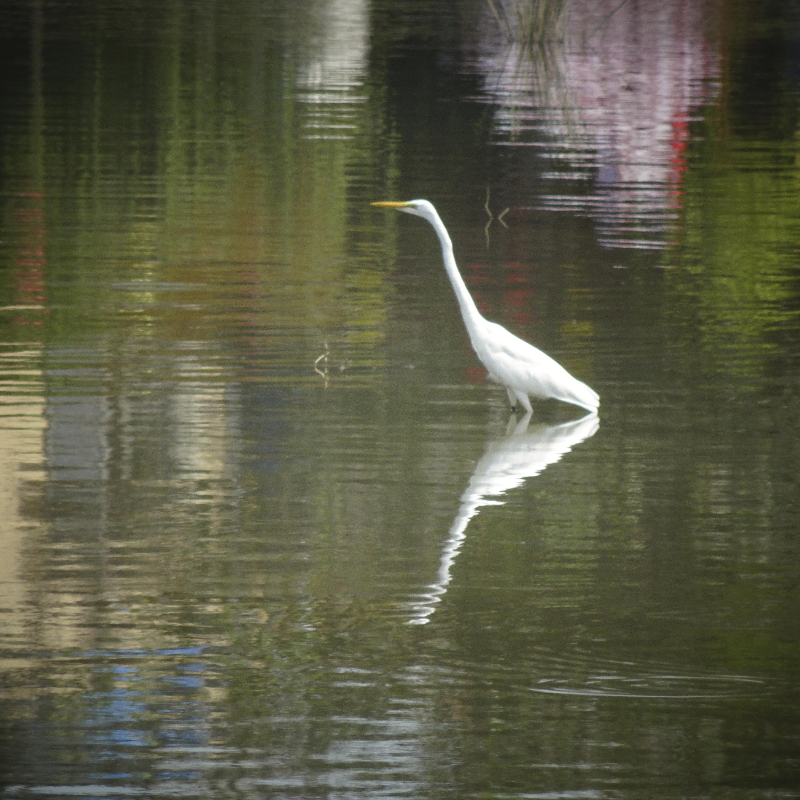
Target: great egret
{"x": 524, "y": 370}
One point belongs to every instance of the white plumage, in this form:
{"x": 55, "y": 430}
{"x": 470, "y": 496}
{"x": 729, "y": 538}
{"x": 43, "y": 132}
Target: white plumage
{"x": 524, "y": 370}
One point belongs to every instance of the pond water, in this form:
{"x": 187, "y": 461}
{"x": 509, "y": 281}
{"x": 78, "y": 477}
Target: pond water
{"x": 266, "y": 530}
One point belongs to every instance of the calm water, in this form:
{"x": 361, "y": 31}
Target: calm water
{"x": 267, "y": 532}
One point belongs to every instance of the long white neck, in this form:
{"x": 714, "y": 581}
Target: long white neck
{"x": 469, "y": 311}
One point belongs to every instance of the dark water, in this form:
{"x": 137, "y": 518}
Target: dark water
{"x": 266, "y": 530}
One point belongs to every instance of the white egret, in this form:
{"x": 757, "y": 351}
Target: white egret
{"x": 524, "y": 370}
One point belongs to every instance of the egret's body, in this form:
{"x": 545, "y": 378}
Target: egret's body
{"x": 524, "y": 370}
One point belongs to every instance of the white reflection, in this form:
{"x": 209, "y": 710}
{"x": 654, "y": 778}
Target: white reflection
{"x": 331, "y": 73}
{"x": 522, "y": 453}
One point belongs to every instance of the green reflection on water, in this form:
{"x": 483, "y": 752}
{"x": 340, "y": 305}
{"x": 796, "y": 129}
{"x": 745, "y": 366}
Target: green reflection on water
{"x": 736, "y": 285}
{"x": 733, "y": 293}
{"x": 215, "y": 145}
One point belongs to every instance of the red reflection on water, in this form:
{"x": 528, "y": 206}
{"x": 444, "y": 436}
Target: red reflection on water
{"x": 517, "y": 294}
{"x": 679, "y": 144}
{"x": 30, "y": 261}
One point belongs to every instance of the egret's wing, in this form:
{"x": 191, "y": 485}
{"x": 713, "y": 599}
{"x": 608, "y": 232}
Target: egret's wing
{"x": 513, "y": 362}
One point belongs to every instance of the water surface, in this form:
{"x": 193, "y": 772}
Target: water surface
{"x": 267, "y": 531}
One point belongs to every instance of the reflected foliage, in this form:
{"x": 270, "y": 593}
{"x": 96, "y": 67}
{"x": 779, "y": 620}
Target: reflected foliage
{"x": 210, "y": 162}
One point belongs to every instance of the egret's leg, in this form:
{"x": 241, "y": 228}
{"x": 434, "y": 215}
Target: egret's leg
{"x": 523, "y": 400}
{"x": 522, "y": 425}
{"x": 512, "y": 398}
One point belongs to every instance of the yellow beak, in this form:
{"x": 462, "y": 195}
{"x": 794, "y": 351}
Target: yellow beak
{"x": 389, "y": 204}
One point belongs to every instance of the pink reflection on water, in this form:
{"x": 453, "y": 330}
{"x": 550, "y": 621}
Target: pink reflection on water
{"x": 609, "y": 111}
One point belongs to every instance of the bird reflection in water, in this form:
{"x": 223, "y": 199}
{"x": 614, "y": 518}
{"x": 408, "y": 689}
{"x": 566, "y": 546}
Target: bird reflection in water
{"x": 522, "y": 453}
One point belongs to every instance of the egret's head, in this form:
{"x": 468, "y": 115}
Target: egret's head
{"x": 420, "y": 208}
